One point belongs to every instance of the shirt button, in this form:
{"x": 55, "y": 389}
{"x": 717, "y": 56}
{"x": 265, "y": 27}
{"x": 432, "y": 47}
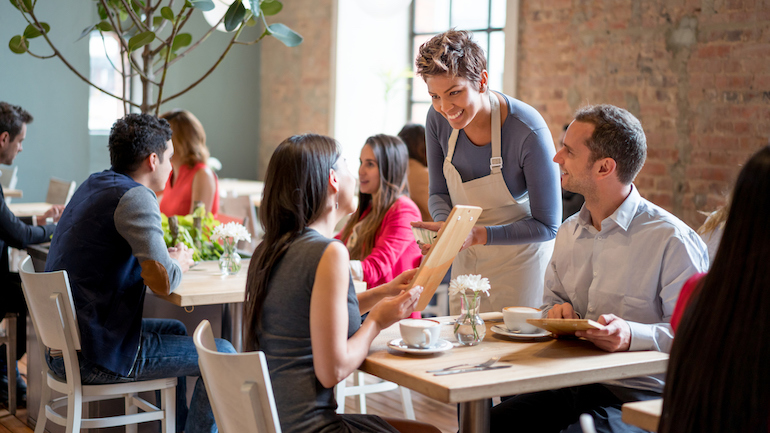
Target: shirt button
{"x": 595, "y": 273}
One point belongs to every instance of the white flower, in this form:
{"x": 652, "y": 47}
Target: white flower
{"x": 231, "y": 230}
{"x": 475, "y": 283}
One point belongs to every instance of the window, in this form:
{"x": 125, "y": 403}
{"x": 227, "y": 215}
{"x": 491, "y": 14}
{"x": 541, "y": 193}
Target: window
{"x": 103, "y": 110}
{"x": 484, "y": 18}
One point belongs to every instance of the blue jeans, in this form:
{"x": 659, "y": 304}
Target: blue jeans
{"x": 165, "y": 351}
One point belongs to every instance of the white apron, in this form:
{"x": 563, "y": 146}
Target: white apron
{"x": 515, "y": 272}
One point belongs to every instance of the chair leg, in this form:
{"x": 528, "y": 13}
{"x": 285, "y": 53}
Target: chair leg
{"x": 45, "y": 398}
{"x": 10, "y": 349}
{"x": 130, "y": 410}
{"x": 168, "y": 424}
{"x": 360, "y": 381}
{"x": 406, "y": 402}
{"x": 74, "y": 411}
{"x": 339, "y": 395}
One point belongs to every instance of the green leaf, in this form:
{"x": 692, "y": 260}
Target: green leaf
{"x": 180, "y": 41}
{"x": 271, "y": 8}
{"x": 204, "y": 5}
{"x": 104, "y": 26}
{"x": 32, "y": 32}
{"x": 86, "y": 31}
{"x": 289, "y": 37}
{"x": 27, "y": 5}
{"x": 234, "y": 15}
{"x": 157, "y": 21}
{"x": 251, "y": 22}
{"x": 140, "y": 40}
{"x": 167, "y": 13}
{"x": 255, "y": 6}
{"x": 102, "y": 12}
{"x": 18, "y": 45}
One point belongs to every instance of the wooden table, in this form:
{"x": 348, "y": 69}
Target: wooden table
{"x": 537, "y": 366}
{"x": 643, "y": 414}
{"x": 239, "y": 187}
{"x": 29, "y": 209}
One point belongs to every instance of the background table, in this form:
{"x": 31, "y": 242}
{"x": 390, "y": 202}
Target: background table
{"x": 11, "y": 192}
{"x": 537, "y": 366}
{"x": 239, "y": 187}
{"x": 29, "y": 209}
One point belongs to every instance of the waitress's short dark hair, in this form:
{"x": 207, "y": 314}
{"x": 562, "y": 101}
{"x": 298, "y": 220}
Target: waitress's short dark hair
{"x": 134, "y": 138}
{"x": 453, "y": 52}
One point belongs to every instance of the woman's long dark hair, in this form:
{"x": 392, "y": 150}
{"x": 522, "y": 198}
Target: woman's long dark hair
{"x": 718, "y": 375}
{"x": 393, "y": 161}
{"x": 296, "y": 190}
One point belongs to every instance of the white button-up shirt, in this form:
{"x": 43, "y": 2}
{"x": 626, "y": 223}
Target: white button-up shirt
{"x": 633, "y": 268}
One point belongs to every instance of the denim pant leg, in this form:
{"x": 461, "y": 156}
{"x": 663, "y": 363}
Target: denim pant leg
{"x": 167, "y": 351}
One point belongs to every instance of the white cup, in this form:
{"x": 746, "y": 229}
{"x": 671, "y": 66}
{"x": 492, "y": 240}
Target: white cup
{"x": 420, "y": 333}
{"x": 516, "y": 319}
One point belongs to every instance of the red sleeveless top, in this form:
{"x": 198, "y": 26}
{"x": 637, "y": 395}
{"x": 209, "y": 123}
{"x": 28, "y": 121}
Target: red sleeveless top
{"x": 177, "y": 198}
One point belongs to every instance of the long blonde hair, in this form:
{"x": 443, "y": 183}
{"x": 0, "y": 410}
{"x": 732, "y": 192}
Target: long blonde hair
{"x": 716, "y": 219}
{"x": 392, "y": 161}
{"x": 188, "y": 136}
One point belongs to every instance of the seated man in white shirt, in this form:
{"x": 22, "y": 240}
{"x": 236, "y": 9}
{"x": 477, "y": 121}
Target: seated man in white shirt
{"x": 620, "y": 261}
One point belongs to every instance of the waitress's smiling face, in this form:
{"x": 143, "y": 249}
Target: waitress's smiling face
{"x": 456, "y": 98}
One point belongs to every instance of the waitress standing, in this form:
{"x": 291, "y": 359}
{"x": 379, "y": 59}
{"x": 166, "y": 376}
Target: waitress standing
{"x": 489, "y": 150}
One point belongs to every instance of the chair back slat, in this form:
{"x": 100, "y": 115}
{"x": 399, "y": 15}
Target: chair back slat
{"x": 49, "y": 300}
{"x": 238, "y": 384}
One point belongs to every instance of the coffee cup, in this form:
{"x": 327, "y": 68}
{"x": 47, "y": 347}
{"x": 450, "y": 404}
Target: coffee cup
{"x": 516, "y": 319}
{"x": 420, "y": 333}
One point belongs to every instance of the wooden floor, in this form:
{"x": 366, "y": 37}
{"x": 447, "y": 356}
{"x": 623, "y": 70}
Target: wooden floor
{"x": 443, "y": 416}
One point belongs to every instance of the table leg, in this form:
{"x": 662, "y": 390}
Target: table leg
{"x": 232, "y": 324}
{"x": 474, "y": 416}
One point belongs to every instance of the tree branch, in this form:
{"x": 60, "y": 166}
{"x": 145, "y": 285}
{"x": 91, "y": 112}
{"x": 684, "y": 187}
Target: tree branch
{"x": 198, "y": 42}
{"x": 133, "y": 16}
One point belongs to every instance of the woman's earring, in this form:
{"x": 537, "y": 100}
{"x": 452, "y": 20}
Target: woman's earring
{"x": 336, "y": 205}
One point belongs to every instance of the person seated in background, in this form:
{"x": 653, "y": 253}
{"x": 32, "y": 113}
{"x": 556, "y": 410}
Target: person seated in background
{"x": 17, "y": 233}
{"x": 378, "y": 234}
{"x": 191, "y": 180}
{"x": 301, "y": 308}
{"x": 110, "y": 242}
{"x": 413, "y": 135}
{"x": 620, "y": 261}
{"x": 717, "y": 373}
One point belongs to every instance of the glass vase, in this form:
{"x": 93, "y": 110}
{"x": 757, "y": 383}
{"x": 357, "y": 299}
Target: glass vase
{"x": 469, "y": 327}
{"x": 230, "y": 260}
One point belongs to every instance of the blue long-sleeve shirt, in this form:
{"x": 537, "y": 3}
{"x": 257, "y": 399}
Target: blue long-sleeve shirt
{"x": 527, "y": 152}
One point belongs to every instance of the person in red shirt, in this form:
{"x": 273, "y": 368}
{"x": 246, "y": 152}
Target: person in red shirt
{"x": 191, "y": 179}
{"x": 378, "y": 234}
{"x": 717, "y": 374}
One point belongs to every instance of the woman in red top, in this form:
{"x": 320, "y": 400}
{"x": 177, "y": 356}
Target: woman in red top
{"x": 378, "y": 235}
{"x": 718, "y": 373}
{"x": 191, "y": 179}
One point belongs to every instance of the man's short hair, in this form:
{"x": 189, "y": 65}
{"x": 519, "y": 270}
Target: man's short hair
{"x": 134, "y": 138}
{"x": 12, "y": 117}
{"x": 617, "y": 135}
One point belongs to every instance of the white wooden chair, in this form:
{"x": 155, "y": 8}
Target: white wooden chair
{"x": 238, "y": 386}
{"x": 49, "y": 300}
{"x": 59, "y": 191}
{"x": 8, "y": 179}
{"x": 9, "y": 339}
{"x": 360, "y": 388}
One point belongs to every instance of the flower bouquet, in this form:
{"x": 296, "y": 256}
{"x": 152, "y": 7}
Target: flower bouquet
{"x": 469, "y": 328}
{"x": 230, "y": 233}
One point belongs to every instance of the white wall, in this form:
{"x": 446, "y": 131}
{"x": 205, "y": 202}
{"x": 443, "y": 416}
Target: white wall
{"x": 372, "y": 41}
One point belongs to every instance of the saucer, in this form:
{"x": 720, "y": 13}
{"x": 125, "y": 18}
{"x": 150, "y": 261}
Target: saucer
{"x": 502, "y": 330}
{"x": 399, "y": 345}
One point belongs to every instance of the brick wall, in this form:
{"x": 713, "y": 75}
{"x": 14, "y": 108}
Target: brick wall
{"x": 296, "y": 82}
{"x": 695, "y": 72}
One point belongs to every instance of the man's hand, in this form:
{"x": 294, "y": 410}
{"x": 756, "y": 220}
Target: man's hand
{"x": 562, "y": 311}
{"x": 614, "y": 337}
{"x": 54, "y": 213}
{"x": 183, "y": 255}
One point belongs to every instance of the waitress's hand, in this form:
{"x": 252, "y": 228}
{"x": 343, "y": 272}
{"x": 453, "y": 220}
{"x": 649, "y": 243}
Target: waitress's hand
{"x": 435, "y": 226}
{"x": 477, "y": 236}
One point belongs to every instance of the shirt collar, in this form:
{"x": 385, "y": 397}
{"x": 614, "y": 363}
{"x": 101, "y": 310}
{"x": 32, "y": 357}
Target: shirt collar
{"x": 622, "y": 216}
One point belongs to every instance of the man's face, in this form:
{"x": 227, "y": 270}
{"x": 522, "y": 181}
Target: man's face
{"x": 574, "y": 159}
{"x": 163, "y": 169}
{"x": 10, "y": 148}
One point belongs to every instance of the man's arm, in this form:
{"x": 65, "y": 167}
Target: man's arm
{"x": 556, "y": 301}
{"x": 137, "y": 219}
{"x": 17, "y": 233}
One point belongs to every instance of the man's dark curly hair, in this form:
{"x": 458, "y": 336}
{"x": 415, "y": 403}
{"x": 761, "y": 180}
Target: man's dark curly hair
{"x": 134, "y": 138}
{"x": 12, "y": 117}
